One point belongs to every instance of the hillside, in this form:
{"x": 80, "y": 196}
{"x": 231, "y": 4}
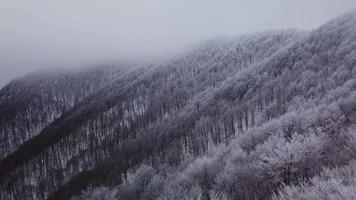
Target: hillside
{"x": 235, "y": 118}
{"x": 29, "y": 104}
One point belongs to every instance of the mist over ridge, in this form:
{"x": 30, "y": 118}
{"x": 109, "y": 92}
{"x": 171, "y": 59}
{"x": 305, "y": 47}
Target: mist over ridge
{"x": 44, "y": 35}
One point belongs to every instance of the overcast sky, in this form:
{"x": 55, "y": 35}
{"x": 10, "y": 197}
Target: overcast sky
{"x": 44, "y": 34}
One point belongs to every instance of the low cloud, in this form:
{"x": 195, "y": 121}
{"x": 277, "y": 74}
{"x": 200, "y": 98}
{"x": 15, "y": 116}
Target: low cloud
{"x": 42, "y": 34}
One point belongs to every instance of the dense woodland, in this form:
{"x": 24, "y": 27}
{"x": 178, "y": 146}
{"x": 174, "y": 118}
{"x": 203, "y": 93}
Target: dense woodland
{"x": 267, "y": 115}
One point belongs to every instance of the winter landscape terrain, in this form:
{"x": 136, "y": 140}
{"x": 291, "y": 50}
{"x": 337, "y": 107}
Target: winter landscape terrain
{"x": 269, "y": 115}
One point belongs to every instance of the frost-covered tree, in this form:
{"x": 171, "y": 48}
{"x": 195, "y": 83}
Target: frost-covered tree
{"x": 331, "y": 184}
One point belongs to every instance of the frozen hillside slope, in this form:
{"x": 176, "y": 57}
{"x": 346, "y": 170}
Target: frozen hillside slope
{"x": 233, "y": 119}
{"x": 132, "y": 108}
{"x": 30, "y": 103}
{"x": 296, "y": 111}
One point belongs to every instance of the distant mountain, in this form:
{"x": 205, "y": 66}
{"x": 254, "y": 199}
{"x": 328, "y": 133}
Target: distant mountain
{"x": 235, "y": 118}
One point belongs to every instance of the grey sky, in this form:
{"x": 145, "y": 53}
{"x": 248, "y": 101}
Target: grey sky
{"x": 42, "y": 34}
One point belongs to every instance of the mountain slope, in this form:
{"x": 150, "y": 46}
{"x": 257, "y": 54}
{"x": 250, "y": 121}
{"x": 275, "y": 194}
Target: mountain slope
{"x": 29, "y": 104}
{"x": 300, "y": 103}
{"x": 127, "y": 109}
{"x": 233, "y": 119}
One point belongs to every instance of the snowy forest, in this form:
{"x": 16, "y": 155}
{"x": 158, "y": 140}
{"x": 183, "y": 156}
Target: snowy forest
{"x": 265, "y": 116}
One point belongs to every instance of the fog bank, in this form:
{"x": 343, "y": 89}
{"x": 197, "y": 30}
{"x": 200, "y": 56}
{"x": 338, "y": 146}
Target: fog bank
{"x": 42, "y": 34}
